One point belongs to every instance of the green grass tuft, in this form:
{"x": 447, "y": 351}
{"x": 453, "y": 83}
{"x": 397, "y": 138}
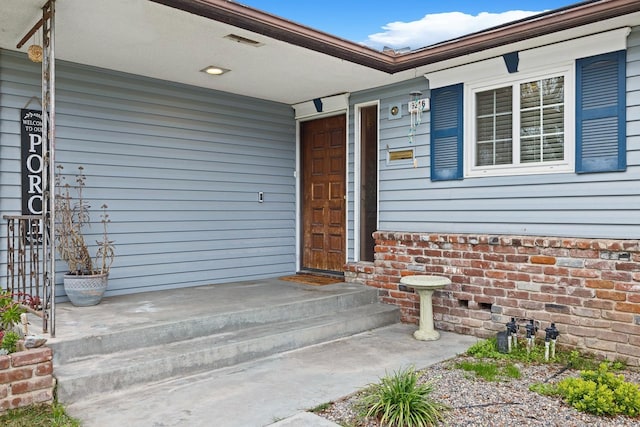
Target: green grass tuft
{"x": 399, "y": 400}
{"x": 38, "y": 416}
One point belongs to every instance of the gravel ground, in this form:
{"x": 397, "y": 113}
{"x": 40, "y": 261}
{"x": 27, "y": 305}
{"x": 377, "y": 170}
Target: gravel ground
{"x": 478, "y": 403}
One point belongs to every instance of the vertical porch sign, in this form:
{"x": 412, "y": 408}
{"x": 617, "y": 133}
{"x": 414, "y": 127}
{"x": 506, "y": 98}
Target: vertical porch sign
{"x": 32, "y": 164}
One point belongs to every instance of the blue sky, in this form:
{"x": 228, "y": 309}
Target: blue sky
{"x": 403, "y": 23}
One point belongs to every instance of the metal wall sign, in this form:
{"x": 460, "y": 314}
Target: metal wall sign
{"x": 32, "y": 162}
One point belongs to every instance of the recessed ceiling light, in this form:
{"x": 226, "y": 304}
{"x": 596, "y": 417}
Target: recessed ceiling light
{"x": 214, "y": 70}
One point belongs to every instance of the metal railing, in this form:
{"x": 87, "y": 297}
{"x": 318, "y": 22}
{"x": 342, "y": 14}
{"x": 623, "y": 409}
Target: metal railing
{"x": 25, "y": 265}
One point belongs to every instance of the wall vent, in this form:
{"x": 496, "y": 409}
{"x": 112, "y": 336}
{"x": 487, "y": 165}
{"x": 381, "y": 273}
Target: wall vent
{"x": 243, "y": 40}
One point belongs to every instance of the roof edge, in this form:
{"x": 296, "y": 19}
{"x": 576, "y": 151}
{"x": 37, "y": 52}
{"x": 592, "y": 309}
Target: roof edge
{"x": 278, "y": 28}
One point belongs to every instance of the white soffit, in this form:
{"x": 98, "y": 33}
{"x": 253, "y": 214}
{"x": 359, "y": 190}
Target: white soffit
{"x": 533, "y": 58}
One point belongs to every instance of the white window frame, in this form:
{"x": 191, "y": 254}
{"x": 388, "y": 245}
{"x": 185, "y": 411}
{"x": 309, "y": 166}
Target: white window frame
{"x": 567, "y": 70}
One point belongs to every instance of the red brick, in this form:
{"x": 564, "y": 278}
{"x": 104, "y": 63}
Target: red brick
{"x": 505, "y": 250}
{"x": 31, "y": 357}
{"x": 474, "y": 272}
{"x": 599, "y": 284}
{"x": 40, "y": 383}
{"x": 611, "y": 295}
{"x": 601, "y": 304}
{"x": 628, "y": 307}
{"x": 544, "y": 279}
{"x": 612, "y": 336}
{"x": 531, "y": 305}
{"x": 504, "y": 284}
{"x": 18, "y": 374}
{"x": 570, "y": 281}
{"x": 493, "y": 257}
{"x": 587, "y": 312}
{"x": 473, "y": 323}
{"x": 472, "y": 255}
{"x": 626, "y": 287}
{"x": 567, "y": 300}
{"x": 630, "y": 350}
{"x": 517, "y": 259}
{"x": 496, "y": 292}
{"x": 493, "y": 274}
{"x": 596, "y": 343}
{"x": 531, "y": 269}
{"x": 576, "y": 253}
{"x": 472, "y": 289}
{"x": 5, "y": 362}
{"x": 582, "y": 293}
{"x": 582, "y": 332}
{"x": 519, "y": 277}
{"x": 518, "y": 295}
{"x": 556, "y": 289}
{"x": 595, "y": 323}
{"x": 627, "y": 266}
{"x": 542, "y": 297}
{"x": 633, "y": 298}
{"x": 539, "y": 259}
{"x": 45, "y": 368}
{"x": 483, "y": 299}
{"x": 581, "y": 272}
{"x": 627, "y": 329}
{"x": 618, "y": 317}
{"x": 617, "y": 276}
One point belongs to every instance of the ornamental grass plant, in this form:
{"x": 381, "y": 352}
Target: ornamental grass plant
{"x": 399, "y": 400}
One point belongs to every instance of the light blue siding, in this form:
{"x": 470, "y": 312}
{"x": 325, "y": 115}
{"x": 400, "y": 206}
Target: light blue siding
{"x": 603, "y": 205}
{"x": 393, "y": 134}
{"x": 180, "y": 168}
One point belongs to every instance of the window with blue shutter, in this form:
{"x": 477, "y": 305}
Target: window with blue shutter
{"x": 601, "y": 113}
{"x": 446, "y": 133}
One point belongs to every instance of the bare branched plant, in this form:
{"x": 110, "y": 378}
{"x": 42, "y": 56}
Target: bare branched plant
{"x": 72, "y": 217}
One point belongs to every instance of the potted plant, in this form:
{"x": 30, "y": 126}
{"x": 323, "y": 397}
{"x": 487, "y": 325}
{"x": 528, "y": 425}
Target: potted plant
{"x": 87, "y": 278}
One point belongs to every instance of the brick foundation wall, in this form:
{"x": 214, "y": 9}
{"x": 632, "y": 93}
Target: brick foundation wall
{"x": 26, "y": 378}
{"x": 589, "y": 287}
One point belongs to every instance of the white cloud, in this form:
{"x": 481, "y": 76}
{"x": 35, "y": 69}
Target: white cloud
{"x": 439, "y": 27}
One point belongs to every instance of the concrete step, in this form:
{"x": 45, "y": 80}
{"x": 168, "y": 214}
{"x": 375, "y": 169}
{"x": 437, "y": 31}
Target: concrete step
{"x": 199, "y": 325}
{"x": 95, "y": 373}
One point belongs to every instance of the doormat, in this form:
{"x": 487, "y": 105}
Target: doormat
{"x": 312, "y": 279}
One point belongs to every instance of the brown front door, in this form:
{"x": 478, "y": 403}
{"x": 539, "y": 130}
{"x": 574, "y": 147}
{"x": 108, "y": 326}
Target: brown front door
{"x": 323, "y": 193}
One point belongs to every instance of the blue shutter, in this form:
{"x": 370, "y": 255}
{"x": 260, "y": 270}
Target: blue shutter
{"x": 601, "y": 113}
{"x": 446, "y": 133}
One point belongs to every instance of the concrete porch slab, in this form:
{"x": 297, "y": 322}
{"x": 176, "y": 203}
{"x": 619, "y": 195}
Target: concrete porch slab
{"x": 272, "y": 389}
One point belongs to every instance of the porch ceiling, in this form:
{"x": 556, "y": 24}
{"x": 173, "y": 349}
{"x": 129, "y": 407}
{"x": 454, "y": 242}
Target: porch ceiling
{"x": 293, "y": 63}
{"x": 150, "y": 39}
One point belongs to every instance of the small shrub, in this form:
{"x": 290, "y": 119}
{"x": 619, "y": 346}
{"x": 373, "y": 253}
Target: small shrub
{"x": 598, "y": 392}
{"x": 10, "y": 342}
{"x": 398, "y": 400}
{"x": 487, "y": 349}
{"x": 10, "y": 311}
